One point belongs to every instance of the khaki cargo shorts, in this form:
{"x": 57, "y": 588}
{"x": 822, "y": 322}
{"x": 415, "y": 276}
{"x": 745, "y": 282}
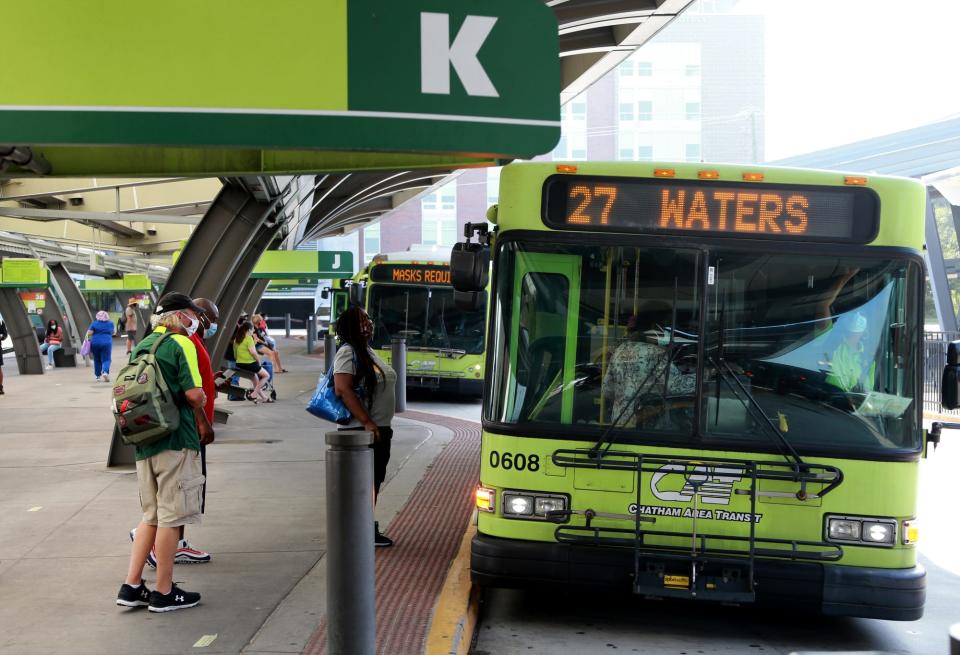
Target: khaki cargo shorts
{"x": 171, "y": 488}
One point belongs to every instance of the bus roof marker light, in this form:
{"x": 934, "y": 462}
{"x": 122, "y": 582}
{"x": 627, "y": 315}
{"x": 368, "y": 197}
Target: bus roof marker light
{"x": 664, "y": 172}
{"x": 753, "y": 177}
{"x": 853, "y": 180}
{"x": 566, "y": 168}
{"x": 708, "y": 175}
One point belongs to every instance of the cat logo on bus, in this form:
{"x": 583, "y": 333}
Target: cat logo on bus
{"x": 714, "y": 484}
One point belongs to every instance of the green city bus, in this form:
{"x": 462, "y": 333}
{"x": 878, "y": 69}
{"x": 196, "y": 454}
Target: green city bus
{"x": 703, "y": 382}
{"x": 408, "y": 295}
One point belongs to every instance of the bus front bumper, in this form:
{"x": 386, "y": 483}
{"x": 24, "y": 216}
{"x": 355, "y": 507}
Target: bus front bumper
{"x": 891, "y": 594}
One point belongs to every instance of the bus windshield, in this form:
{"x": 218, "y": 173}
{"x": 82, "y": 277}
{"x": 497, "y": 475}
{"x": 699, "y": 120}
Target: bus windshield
{"x": 707, "y": 347}
{"x": 426, "y": 317}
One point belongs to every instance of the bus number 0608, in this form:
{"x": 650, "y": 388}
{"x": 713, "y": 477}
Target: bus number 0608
{"x": 517, "y": 461}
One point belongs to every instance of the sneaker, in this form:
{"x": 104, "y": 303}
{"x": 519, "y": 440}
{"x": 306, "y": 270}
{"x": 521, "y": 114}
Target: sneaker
{"x": 380, "y": 540}
{"x": 49, "y": 366}
{"x": 187, "y": 553}
{"x": 177, "y": 599}
{"x": 133, "y": 596}
{"x": 105, "y": 377}
{"x": 151, "y": 556}
{"x": 1, "y": 389}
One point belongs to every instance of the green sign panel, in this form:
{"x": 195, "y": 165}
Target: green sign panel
{"x": 136, "y": 282}
{"x": 129, "y": 282}
{"x": 23, "y": 273}
{"x": 352, "y": 84}
{"x": 302, "y": 265}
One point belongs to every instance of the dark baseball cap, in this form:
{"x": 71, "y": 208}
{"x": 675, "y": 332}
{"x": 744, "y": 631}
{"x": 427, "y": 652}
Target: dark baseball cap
{"x": 175, "y": 301}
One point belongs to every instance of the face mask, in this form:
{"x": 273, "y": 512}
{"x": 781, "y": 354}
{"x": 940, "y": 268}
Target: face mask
{"x": 194, "y": 324}
{"x": 210, "y": 331}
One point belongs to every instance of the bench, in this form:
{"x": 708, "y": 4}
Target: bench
{"x": 224, "y": 384}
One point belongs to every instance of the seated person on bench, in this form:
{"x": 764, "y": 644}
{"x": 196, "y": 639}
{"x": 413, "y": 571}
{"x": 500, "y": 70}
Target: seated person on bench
{"x": 245, "y": 355}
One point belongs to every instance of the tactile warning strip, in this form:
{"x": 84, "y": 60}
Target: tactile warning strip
{"x": 428, "y": 531}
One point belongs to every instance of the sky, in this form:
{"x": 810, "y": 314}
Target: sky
{"x": 838, "y": 71}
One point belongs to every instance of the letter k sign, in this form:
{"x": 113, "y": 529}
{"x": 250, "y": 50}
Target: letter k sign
{"x": 437, "y": 54}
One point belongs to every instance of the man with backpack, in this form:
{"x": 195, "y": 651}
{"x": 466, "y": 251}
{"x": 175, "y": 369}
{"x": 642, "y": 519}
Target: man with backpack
{"x": 168, "y": 462}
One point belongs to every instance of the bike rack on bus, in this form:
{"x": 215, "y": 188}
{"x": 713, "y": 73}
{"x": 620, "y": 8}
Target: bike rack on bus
{"x": 712, "y": 568}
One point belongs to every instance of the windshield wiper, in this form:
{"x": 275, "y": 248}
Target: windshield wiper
{"x": 750, "y": 404}
{"x": 647, "y": 384}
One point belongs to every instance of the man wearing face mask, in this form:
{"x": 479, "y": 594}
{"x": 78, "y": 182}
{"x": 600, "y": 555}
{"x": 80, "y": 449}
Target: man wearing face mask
{"x": 187, "y": 553}
{"x": 169, "y": 471}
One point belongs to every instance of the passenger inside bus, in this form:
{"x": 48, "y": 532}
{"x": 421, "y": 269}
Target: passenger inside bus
{"x": 641, "y": 367}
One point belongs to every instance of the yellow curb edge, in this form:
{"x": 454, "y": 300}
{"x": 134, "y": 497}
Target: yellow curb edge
{"x": 455, "y": 612}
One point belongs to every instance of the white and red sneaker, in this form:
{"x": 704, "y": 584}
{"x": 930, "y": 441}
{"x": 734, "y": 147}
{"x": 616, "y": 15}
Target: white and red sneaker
{"x": 187, "y": 553}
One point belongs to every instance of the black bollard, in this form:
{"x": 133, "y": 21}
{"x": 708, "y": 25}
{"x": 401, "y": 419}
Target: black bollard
{"x": 399, "y": 362}
{"x": 351, "y": 616}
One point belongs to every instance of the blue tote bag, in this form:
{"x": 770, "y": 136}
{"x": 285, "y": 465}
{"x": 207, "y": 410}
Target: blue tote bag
{"x": 326, "y": 404}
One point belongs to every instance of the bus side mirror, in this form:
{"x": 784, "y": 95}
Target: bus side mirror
{"x": 469, "y": 267}
{"x": 950, "y": 383}
{"x": 468, "y": 301}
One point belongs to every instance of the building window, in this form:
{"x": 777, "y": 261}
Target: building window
{"x": 644, "y": 68}
{"x": 371, "y": 242}
{"x": 692, "y": 70}
{"x": 437, "y": 230}
{"x": 693, "y": 111}
{"x": 626, "y": 111}
{"x": 576, "y": 110}
{"x": 645, "y": 110}
{"x": 692, "y": 152}
{"x": 626, "y": 68}
{"x": 439, "y": 216}
{"x": 644, "y": 153}
{"x": 571, "y": 147}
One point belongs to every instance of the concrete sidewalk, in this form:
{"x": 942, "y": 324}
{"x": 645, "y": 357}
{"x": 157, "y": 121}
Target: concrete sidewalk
{"x": 64, "y": 519}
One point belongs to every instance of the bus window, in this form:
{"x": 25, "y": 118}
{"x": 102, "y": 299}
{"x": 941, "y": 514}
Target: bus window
{"x": 598, "y": 336}
{"x": 818, "y": 344}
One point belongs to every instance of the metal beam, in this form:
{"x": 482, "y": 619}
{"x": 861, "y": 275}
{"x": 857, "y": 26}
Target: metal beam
{"x": 939, "y": 283}
{"x": 74, "y": 303}
{"x": 224, "y": 234}
{"x": 73, "y": 215}
{"x": 93, "y": 189}
{"x": 26, "y": 348}
{"x": 238, "y": 287}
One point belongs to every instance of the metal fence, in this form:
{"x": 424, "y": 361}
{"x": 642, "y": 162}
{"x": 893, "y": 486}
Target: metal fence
{"x": 934, "y": 359}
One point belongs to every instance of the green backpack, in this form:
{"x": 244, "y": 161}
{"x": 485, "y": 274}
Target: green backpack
{"x": 143, "y": 406}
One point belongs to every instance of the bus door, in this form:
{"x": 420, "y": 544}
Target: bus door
{"x": 339, "y": 302}
{"x": 543, "y": 334}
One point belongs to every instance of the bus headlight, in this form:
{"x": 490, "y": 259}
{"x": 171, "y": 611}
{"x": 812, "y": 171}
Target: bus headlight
{"x": 862, "y": 531}
{"x": 531, "y": 504}
{"x": 879, "y": 533}
{"x": 844, "y": 529}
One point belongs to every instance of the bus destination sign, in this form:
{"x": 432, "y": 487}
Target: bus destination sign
{"x": 758, "y": 211}
{"x": 411, "y": 273}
